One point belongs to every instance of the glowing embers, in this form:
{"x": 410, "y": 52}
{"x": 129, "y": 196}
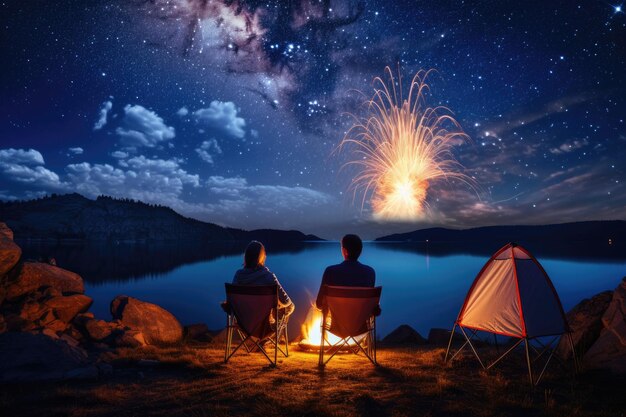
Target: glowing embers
{"x": 312, "y": 333}
{"x": 401, "y": 148}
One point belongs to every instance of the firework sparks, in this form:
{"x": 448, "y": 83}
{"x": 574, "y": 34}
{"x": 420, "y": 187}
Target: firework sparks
{"x": 402, "y": 148}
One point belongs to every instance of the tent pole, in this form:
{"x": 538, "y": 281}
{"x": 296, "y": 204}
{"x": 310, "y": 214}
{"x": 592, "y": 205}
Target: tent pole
{"x": 472, "y": 346}
{"x": 504, "y": 354}
{"x": 545, "y": 366}
{"x": 445, "y": 360}
{"x": 530, "y": 369}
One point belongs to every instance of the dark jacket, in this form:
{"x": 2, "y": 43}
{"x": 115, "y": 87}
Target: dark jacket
{"x": 347, "y": 274}
{"x": 260, "y": 276}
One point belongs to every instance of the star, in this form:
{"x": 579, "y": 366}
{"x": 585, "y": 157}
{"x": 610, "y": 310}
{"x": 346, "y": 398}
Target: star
{"x": 617, "y": 9}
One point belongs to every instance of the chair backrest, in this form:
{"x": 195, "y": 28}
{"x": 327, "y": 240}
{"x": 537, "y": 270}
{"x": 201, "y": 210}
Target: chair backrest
{"x": 350, "y": 308}
{"x": 252, "y": 306}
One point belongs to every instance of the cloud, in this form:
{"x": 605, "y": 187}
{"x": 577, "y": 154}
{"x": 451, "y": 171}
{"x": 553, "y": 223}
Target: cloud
{"x": 222, "y": 117}
{"x": 76, "y": 151}
{"x": 26, "y": 166}
{"x": 21, "y": 156}
{"x": 204, "y": 150}
{"x": 559, "y": 105}
{"x": 569, "y": 147}
{"x": 226, "y": 186}
{"x": 237, "y": 196}
{"x": 150, "y": 180}
{"x": 143, "y": 127}
{"x": 102, "y": 116}
{"x": 183, "y": 111}
{"x": 119, "y": 154}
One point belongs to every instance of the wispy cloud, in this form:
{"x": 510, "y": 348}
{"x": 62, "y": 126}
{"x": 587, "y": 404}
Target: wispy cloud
{"x": 102, "y": 115}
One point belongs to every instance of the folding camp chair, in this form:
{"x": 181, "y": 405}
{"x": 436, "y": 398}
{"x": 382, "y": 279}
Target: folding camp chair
{"x": 349, "y": 313}
{"x": 251, "y": 313}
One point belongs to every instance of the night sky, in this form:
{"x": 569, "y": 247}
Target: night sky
{"x": 229, "y": 111}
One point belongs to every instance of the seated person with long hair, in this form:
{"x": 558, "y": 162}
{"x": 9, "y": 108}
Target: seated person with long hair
{"x": 254, "y": 272}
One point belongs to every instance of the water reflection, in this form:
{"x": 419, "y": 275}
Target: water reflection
{"x": 99, "y": 262}
{"x": 576, "y": 250}
{"x": 423, "y": 284}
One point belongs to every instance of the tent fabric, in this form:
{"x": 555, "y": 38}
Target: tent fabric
{"x": 513, "y": 296}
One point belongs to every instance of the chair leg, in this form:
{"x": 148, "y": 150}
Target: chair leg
{"x": 276, "y": 350}
{"x": 229, "y": 333}
{"x": 321, "y": 361}
{"x": 374, "y": 343}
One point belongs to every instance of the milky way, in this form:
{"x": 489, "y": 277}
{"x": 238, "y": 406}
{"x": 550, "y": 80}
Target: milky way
{"x": 230, "y": 111}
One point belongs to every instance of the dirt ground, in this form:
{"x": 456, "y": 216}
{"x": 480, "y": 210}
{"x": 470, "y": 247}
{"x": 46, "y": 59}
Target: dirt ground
{"x": 194, "y": 381}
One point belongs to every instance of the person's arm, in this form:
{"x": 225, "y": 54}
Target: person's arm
{"x": 283, "y": 298}
{"x": 320, "y": 299}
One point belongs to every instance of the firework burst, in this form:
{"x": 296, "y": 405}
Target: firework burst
{"x": 402, "y": 148}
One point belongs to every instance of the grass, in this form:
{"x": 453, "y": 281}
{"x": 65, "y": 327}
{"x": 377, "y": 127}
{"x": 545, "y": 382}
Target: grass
{"x": 194, "y": 381}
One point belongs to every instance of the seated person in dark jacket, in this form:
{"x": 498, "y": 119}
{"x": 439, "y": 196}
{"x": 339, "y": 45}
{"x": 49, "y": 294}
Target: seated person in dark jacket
{"x": 254, "y": 272}
{"x": 349, "y": 273}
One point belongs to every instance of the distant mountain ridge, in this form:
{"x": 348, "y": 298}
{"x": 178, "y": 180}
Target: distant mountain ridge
{"x": 589, "y": 231}
{"x": 74, "y": 217}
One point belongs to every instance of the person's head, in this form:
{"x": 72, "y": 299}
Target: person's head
{"x": 254, "y": 256}
{"x": 351, "y": 247}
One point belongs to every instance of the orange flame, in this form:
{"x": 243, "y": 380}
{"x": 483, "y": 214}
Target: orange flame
{"x": 402, "y": 148}
{"x": 312, "y": 329}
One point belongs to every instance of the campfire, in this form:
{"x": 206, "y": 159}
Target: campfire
{"x": 312, "y": 332}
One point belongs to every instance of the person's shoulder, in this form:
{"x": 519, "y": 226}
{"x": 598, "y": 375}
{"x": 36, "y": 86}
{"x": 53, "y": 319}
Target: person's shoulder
{"x": 331, "y": 268}
{"x": 265, "y": 271}
{"x": 368, "y": 268}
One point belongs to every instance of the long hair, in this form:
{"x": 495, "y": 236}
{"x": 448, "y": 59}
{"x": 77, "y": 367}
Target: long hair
{"x": 254, "y": 255}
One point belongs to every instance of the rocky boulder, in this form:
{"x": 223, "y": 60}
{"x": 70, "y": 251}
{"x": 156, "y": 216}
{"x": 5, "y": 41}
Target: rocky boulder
{"x": 609, "y": 351}
{"x": 130, "y": 339}
{"x": 9, "y": 252}
{"x": 198, "y": 332}
{"x": 67, "y": 307}
{"x": 404, "y": 334}
{"x": 37, "y": 357}
{"x": 158, "y": 325}
{"x": 585, "y": 321}
{"x": 5, "y": 231}
{"x": 33, "y": 275}
{"x": 98, "y": 330}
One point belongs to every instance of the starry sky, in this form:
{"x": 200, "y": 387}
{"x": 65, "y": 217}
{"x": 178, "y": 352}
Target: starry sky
{"x": 229, "y": 111}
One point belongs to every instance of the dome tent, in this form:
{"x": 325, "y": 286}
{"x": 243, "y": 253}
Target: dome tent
{"x": 512, "y": 296}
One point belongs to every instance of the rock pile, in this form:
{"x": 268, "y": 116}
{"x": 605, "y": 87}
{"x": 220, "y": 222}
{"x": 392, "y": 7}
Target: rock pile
{"x": 46, "y": 331}
{"x": 598, "y": 329}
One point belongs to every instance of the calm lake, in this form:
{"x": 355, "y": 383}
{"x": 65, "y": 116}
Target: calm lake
{"x": 423, "y": 285}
